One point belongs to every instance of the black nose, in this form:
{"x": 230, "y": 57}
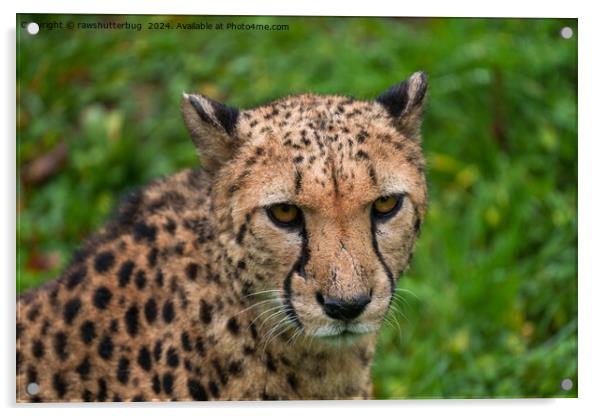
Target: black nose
{"x": 345, "y": 310}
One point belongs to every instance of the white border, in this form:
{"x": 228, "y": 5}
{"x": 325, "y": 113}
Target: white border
{"x": 590, "y": 207}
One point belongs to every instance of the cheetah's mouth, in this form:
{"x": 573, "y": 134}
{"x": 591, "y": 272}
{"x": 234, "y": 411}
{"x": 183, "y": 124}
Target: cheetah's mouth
{"x": 347, "y": 333}
{"x": 345, "y": 337}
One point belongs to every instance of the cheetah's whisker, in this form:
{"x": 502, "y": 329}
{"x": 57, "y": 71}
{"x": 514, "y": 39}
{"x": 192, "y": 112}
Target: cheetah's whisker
{"x": 278, "y": 309}
{"x": 264, "y": 291}
{"x": 254, "y": 305}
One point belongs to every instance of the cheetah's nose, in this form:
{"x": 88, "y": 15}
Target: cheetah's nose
{"x": 345, "y": 310}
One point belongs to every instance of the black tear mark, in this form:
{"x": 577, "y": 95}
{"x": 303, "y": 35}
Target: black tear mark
{"x": 298, "y": 268}
{"x": 380, "y": 256}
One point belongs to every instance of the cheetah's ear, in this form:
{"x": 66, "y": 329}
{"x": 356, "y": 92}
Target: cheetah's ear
{"x": 405, "y": 102}
{"x": 212, "y": 126}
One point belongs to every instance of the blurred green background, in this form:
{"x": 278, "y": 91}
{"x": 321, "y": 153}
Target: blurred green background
{"x": 489, "y": 306}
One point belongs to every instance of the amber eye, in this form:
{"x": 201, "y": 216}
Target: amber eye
{"x": 284, "y": 214}
{"x": 386, "y": 205}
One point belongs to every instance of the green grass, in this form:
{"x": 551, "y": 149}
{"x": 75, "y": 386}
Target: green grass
{"x": 489, "y": 306}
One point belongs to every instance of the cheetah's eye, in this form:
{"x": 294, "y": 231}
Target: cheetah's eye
{"x": 284, "y": 214}
{"x": 386, "y": 206}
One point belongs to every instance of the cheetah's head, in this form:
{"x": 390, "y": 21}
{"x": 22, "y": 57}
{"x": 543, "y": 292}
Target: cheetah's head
{"x": 318, "y": 199}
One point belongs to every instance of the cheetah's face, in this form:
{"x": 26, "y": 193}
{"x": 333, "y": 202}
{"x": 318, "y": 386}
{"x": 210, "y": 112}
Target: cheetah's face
{"x": 321, "y": 199}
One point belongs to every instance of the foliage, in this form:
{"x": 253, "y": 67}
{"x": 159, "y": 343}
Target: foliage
{"x": 489, "y": 307}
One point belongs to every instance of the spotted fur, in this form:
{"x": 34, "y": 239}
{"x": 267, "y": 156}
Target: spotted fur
{"x": 191, "y": 292}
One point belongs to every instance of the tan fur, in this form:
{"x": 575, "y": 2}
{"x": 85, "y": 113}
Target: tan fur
{"x": 203, "y": 243}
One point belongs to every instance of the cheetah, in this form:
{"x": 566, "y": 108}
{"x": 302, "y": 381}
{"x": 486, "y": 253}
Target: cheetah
{"x": 265, "y": 274}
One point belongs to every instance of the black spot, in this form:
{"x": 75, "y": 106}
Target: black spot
{"x": 156, "y": 384}
{"x": 158, "y": 350}
{"x": 102, "y": 297}
{"x": 168, "y": 311}
{"x": 179, "y": 248}
{"x": 233, "y": 326}
{"x": 269, "y": 362}
{"x": 59, "y": 384}
{"x": 240, "y": 236}
{"x": 83, "y": 369}
{"x": 292, "y": 381}
{"x": 196, "y": 390}
{"x": 185, "y": 338}
{"x": 76, "y": 277}
{"x": 140, "y": 279}
{"x": 143, "y": 231}
{"x": 241, "y": 265}
{"x": 32, "y": 375}
{"x": 88, "y": 332}
{"x": 199, "y": 346}
{"x": 150, "y": 311}
{"x": 173, "y": 360}
{"x": 104, "y": 261}
{"x": 235, "y": 368}
{"x": 117, "y": 398}
{"x": 60, "y": 345}
{"x": 298, "y": 181}
{"x": 131, "y": 320}
{"x": 192, "y": 270}
{"x": 159, "y": 278}
{"x": 138, "y": 398}
{"x": 114, "y": 325}
{"x": 105, "y": 347}
{"x": 71, "y": 310}
{"x": 32, "y": 315}
{"x": 37, "y": 349}
{"x": 123, "y": 370}
{"x": 362, "y": 155}
{"x": 361, "y": 137}
{"x": 170, "y": 226}
{"x": 87, "y": 396}
{"x": 53, "y": 296}
{"x": 125, "y": 272}
{"x": 102, "y": 390}
{"x": 298, "y": 159}
{"x": 168, "y": 381}
{"x": 144, "y": 358}
{"x": 206, "y": 312}
{"x": 223, "y": 377}
{"x": 213, "y": 389}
